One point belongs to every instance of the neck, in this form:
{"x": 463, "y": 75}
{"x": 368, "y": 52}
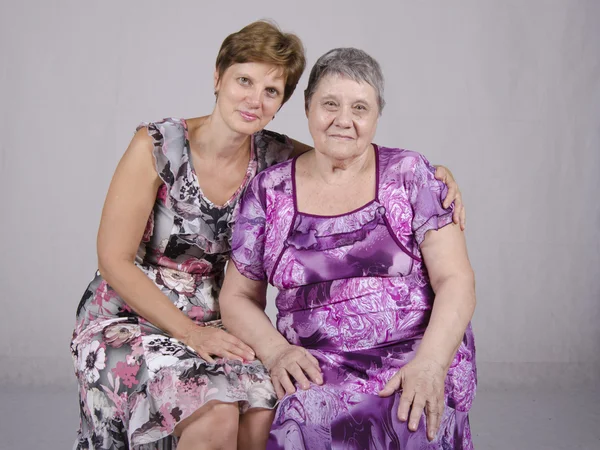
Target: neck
{"x": 336, "y": 171}
{"x": 215, "y": 140}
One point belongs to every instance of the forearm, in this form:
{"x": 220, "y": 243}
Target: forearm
{"x": 246, "y": 320}
{"x": 452, "y": 310}
{"x": 145, "y": 298}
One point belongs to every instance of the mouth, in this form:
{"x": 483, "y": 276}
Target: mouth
{"x": 341, "y": 137}
{"x": 248, "y": 117}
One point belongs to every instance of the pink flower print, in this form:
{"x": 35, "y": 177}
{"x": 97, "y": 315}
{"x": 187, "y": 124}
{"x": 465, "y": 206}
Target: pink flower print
{"x": 170, "y": 417}
{"x": 149, "y": 228}
{"x": 137, "y": 350}
{"x": 103, "y": 294}
{"x": 126, "y": 373}
{"x": 180, "y": 282}
{"x": 194, "y": 265}
{"x": 162, "y": 193}
{"x": 196, "y": 313}
{"x": 118, "y": 334}
{"x": 92, "y": 360}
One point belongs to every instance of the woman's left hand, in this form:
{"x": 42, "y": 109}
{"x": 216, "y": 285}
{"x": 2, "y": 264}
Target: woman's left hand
{"x": 422, "y": 384}
{"x": 460, "y": 216}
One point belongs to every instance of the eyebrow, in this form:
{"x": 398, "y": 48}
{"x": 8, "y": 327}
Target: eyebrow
{"x": 335, "y": 97}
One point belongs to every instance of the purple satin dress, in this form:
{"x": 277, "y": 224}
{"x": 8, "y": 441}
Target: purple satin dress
{"x": 354, "y": 291}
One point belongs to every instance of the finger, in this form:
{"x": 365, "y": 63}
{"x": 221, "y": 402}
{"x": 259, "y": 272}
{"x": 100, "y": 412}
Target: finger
{"x": 278, "y": 388}
{"x": 456, "y": 212}
{"x": 391, "y": 386}
{"x": 440, "y": 173}
{"x": 312, "y": 370}
{"x": 206, "y": 357}
{"x": 406, "y": 400}
{"x": 228, "y": 355}
{"x": 418, "y": 405}
{"x": 433, "y": 414}
{"x": 296, "y": 371}
{"x": 240, "y": 354}
{"x": 285, "y": 381}
{"x": 450, "y": 195}
{"x": 313, "y": 360}
{"x": 245, "y": 349}
{"x": 463, "y": 218}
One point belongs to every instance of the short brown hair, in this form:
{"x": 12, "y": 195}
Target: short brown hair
{"x": 264, "y": 42}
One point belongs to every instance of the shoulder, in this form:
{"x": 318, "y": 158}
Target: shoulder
{"x": 274, "y": 176}
{"x": 406, "y": 164}
{"x": 271, "y": 148}
{"x": 168, "y": 128}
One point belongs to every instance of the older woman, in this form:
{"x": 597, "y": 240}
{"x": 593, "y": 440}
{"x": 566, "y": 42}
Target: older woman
{"x": 375, "y": 287}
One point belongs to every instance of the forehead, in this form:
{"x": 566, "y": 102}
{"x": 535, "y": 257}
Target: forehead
{"x": 340, "y": 85}
{"x": 271, "y": 72}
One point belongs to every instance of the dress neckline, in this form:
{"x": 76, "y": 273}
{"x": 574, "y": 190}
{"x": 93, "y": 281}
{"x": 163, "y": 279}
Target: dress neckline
{"x": 354, "y": 211}
{"x": 244, "y": 183}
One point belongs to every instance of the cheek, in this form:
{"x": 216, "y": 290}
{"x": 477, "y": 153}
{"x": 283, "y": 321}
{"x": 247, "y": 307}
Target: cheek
{"x": 367, "y": 128}
{"x": 271, "y": 106}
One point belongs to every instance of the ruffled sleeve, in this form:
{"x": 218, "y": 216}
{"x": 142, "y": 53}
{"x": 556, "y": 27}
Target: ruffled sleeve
{"x": 271, "y": 148}
{"x": 426, "y": 195}
{"x": 248, "y": 241}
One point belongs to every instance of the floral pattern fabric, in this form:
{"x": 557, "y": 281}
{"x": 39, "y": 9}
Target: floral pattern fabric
{"x": 354, "y": 291}
{"x": 135, "y": 382}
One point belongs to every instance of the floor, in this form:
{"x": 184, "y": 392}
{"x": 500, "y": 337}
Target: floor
{"x": 44, "y": 418}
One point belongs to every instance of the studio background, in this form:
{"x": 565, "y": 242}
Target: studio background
{"x": 504, "y": 93}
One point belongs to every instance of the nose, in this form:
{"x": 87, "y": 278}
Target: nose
{"x": 343, "y": 119}
{"x": 253, "y": 98}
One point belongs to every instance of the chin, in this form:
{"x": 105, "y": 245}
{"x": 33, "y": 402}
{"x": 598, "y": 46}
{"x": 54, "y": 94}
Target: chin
{"x": 247, "y": 127}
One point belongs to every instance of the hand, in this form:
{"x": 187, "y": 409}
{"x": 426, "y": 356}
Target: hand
{"x": 422, "y": 383}
{"x": 207, "y": 341}
{"x": 459, "y": 216}
{"x": 291, "y": 360}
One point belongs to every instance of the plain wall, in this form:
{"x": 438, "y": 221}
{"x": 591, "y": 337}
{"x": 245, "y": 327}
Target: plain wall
{"x": 505, "y": 93}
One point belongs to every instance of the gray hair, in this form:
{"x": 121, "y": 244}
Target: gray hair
{"x": 347, "y": 62}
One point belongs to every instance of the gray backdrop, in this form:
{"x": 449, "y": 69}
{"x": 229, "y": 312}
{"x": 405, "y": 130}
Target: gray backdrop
{"x": 505, "y": 93}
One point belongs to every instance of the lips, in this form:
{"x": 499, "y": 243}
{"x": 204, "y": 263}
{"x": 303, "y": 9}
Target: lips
{"x": 248, "y": 117}
{"x": 342, "y": 137}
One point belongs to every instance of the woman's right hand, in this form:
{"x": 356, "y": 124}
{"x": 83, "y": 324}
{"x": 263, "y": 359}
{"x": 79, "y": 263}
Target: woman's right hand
{"x": 209, "y": 341}
{"x": 288, "y": 361}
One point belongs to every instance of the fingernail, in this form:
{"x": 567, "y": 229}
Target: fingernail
{"x": 320, "y": 380}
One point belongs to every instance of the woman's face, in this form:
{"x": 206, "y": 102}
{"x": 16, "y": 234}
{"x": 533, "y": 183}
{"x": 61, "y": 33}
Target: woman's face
{"x": 249, "y": 95}
{"x": 342, "y": 117}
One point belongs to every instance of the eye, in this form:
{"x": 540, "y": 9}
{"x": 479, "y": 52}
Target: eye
{"x": 272, "y": 92}
{"x": 360, "y": 108}
{"x": 244, "y": 81}
{"x": 329, "y": 104}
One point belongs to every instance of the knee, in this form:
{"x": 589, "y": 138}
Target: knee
{"x": 217, "y": 425}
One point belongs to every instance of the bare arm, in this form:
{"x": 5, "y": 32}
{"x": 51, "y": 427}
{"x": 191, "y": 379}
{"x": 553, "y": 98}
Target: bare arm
{"x": 128, "y": 204}
{"x": 422, "y": 380}
{"x": 243, "y": 304}
{"x": 452, "y": 279}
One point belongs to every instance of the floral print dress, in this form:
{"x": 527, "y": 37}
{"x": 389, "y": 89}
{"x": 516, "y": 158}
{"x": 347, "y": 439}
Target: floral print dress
{"x": 136, "y": 383}
{"x": 353, "y": 291}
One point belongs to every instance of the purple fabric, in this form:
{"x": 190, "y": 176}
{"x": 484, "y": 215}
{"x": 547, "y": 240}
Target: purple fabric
{"x": 354, "y": 291}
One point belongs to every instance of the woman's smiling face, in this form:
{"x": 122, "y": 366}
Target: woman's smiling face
{"x": 342, "y": 117}
{"x": 249, "y": 95}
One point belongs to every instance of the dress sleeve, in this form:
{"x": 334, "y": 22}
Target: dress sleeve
{"x": 272, "y": 148}
{"x": 426, "y": 197}
{"x": 248, "y": 241}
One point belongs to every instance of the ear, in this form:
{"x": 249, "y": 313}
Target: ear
{"x": 216, "y": 80}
